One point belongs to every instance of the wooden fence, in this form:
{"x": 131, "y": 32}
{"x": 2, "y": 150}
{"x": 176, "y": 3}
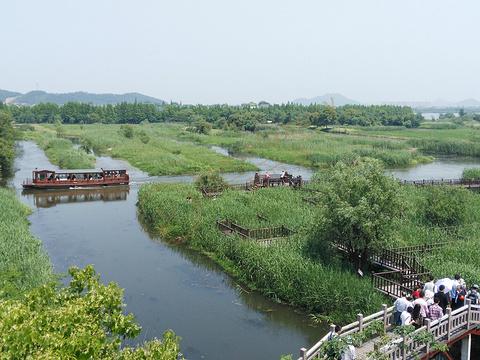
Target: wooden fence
{"x": 395, "y": 283}
{"x": 261, "y": 234}
{"x": 458, "y": 182}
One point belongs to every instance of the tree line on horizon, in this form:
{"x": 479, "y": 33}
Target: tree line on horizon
{"x": 218, "y": 116}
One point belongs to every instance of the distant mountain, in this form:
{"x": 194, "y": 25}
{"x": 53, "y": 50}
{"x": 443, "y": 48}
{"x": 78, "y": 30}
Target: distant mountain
{"x": 338, "y": 100}
{"x": 5, "y": 94}
{"x": 35, "y": 97}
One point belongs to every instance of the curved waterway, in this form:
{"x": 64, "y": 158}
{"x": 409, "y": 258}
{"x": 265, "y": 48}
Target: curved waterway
{"x": 166, "y": 286}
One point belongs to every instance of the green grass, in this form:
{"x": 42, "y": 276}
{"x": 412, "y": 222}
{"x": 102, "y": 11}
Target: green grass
{"x": 153, "y": 150}
{"x": 282, "y": 272}
{"x": 311, "y": 148}
{"x": 24, "y": 263}
{"x": 60, "y": 151}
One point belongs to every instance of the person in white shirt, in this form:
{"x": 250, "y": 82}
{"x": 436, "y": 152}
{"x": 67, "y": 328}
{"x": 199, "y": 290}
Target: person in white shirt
{"x": 400, "y": 305}
{"x": 406, "y": 316}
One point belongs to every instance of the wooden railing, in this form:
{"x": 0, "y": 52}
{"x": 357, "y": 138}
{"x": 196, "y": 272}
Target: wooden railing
{"x": 462, "y": 182}
{"x": 255, "y": 234}
{"x": 447, "y": 329}
{"x": 394, "y": 283}
{"x": 385, "y": 315}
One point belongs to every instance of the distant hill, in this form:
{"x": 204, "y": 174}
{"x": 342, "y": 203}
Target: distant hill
{"x": 35, "y": 97}
{"x": 338, "y": 100}
{"x": 4, "y": 94}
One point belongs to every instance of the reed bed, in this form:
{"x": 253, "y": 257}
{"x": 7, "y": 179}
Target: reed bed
{"x": 24, "y": 263}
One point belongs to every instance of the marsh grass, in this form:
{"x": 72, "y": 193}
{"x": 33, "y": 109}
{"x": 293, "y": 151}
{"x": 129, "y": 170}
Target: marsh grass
{"x": 60, "y": 151}
{"x": 24, "y": 263}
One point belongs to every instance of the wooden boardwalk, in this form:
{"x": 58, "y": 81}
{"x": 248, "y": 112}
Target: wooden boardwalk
{"x": 470, "y": 184}
{"x": 450, "y": 328}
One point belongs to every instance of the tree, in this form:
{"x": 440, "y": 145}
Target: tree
{"x": 359, "y": 206}
{"x": 84, "y": 320}
{"x": 7, "y": 142}
{"x": 326, "y": 116}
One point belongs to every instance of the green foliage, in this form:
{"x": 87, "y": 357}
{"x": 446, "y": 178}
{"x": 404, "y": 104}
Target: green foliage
{"x": 471, "y": 174}
{"x": 24, "y": 263}
{"x": 83, "y": 320}
{"x": 127, "y": 131}
{"x": 445, "y": 206}
{"x": 201, "y": 126}
{"x": 7, "y": 142}
{"x": 359, "y": 207}
{"x": 210, "y": 182}
{"x": 282, "y": 272}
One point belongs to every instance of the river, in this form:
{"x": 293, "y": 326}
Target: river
{"x": 166, "y": 286}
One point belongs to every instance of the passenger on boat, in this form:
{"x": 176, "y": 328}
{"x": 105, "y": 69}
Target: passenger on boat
{"x": 90, "y": 177}
{"x": 69, "y": 177}
{"x": 74, "y": 177}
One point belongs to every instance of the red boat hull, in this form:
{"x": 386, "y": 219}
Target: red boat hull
{"x": 76, "y": 183}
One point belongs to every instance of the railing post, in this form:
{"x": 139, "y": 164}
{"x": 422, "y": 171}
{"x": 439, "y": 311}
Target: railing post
{"x": 428, "y": 325}
{"x": 404, "y": 347}
{"x": 303, "y": 354}
{"x": 385, "y": 316}
{"x": 449, "y": 322}
{"x": 469, "y": 312}
{"x": 360, "y": 322}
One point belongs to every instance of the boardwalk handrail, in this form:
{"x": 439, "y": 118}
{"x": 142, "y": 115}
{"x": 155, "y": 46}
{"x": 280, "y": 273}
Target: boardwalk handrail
{"x": 385, "y": 315}
{"x": 451, "y": 326}
{"x": 463, "y": 182}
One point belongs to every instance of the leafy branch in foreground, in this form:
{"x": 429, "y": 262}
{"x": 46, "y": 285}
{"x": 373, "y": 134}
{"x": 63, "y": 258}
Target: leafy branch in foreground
{"x": 83, "y": 320}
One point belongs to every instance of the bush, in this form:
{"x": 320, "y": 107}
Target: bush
{"x": 471, "y": 174}
{"x": 210, "y": 182}
{"x": 83, "y": 320}
{"x": 127, "y": 131}
{"x": 446, "y": 206}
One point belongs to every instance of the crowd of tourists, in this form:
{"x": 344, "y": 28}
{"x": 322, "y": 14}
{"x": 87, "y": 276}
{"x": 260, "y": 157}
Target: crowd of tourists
{"x": 431, "y": 300}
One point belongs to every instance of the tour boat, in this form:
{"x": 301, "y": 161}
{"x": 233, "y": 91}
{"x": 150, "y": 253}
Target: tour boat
{"x": 50, "y": 179}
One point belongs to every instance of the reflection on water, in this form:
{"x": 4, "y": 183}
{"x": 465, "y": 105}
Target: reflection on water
{"x": 49, "y": 198}
{"x": 166, "y": 286}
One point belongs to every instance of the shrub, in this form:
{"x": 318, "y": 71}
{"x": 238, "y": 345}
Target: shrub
{"x": 210, "y": 182}
{"x": 471, "y": 174}
{"x": 83, "y": 320}
{"x": 127, "y": 131}
{"x": 446, "y": 206}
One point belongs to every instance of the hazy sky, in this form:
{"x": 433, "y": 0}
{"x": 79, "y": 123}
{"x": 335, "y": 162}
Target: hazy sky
{"x": 216, "y": 51}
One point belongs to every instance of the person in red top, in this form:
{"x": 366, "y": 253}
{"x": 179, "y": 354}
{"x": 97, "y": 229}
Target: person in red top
{"x": 416, "y": 292}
